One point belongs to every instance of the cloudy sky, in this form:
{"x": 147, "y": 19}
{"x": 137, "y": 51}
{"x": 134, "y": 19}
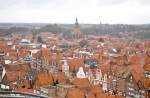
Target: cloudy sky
{"x": 65, "y": 11}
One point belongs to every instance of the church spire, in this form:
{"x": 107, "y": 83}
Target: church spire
{"x": 76, "y": 23}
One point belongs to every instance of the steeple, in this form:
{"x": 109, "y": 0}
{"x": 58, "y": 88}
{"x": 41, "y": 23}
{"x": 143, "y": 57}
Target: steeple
{"x": 76, "y": 23}
{"x": 76, "y": 31}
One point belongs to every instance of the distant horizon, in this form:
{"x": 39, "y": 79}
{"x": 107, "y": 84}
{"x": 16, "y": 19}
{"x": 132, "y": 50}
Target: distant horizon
{"x": 70, "y": 23}
{"x": 65, "y": 11}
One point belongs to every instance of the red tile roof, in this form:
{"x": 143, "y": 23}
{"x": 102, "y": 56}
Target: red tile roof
{"x": 75, "y": 93}
{"x": 76, "y": 64}
{"x": 96, "y": 89}
{"x": 81, "y": 82}
{"x": 101, "y": 95}
{"x": 111, "y": 96}
{"x": 137, "y": 72}
{"x": 15, "y": 71}
{"x": 90, "y": 95}
{"x": 147, "y": 83}
{"x": 147, "y": 60}
{"x": 146, "y": 67}
{"x": 44, "y": 79}
{"x": 135, "y": 59}
{"x": 120, "y": 97}
{"x": 60, "y": 77}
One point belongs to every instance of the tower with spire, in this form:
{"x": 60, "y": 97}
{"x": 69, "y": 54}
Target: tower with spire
{"x": 76, "y": 23}
{"x": 76, "y": 31}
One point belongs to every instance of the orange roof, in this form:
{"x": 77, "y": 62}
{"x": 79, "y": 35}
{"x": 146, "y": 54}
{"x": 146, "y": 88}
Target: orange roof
{"x": 111, "y": 96}
{"x": 60, "y": 77}
{"x": 101, "y": 95}
{"x": 56, "y": 57}
{"x": 25, "y": 84}
{"x": 44, "y": 79}
{"x": 75, "y": 64}
{"x": 120, "y": 97}
{"x": 11, "y": 75}
{"x": 147, "y": 60}
{"x": 81, "y": 82}
{"x": 146, "y": 67}
{"x": 44, "y": 52}
{"x": 134, "y": 59}
{"x": 75, "y": 93}
{"x": 90, "y": 95}
{"x": 147, "y": 82}
{"x": 22, "y": 67}
{"x": 15, "y": 71}
{"x": 104, "y": 68}
{"x": 96, "y": 89}
{"x": 23, "y": 53}
{"x": 137, "y": 72}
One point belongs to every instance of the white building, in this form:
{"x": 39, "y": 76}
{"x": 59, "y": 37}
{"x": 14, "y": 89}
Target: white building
{"x": 80, "y": 73}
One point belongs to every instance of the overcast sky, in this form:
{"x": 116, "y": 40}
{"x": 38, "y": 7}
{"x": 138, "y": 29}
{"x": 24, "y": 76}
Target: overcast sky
{"x": 65, "y": 11}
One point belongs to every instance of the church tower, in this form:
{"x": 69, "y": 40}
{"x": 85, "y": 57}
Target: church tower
{"x": 76, "y": 31}
{"x": 76, "y": 23}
